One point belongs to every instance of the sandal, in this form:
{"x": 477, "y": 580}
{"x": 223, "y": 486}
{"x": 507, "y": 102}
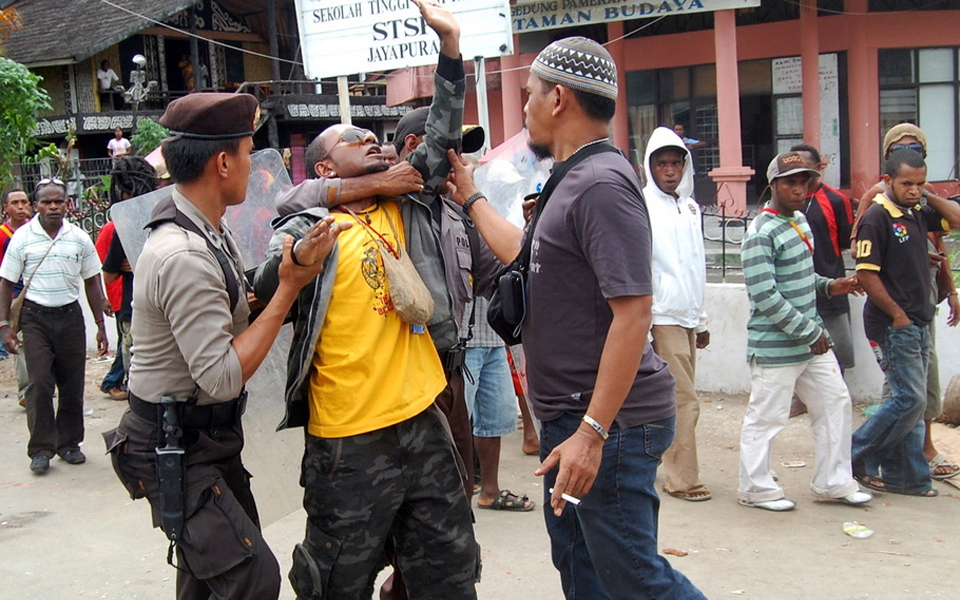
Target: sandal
{"x": 873, "y": 483}
{"x": 509, "y": 501}
{"x": 939, "y": 462}
{"x": 697, "y": 496}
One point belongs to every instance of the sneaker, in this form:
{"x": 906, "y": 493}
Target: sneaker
{"x": 856, "y": 498}
{"x": 782, "y": 505}
{"x": 40, "y": 464}
{"x": 74, "y": 457}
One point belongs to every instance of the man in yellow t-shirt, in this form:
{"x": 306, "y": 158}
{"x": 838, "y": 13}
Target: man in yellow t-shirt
{"x": 379, "y": 468}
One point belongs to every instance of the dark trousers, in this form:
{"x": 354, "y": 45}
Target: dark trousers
{"x": 221, "y": 553}
{"x": 453, "y": 404}
{"x": 401, "y": 483}
{"x": 117, "y": 376}
{"x": 54, "y": 346}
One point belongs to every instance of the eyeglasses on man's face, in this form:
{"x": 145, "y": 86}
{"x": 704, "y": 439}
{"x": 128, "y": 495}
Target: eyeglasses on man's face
{"x": 356, "y": 135}
{"x": 916, "y": 147}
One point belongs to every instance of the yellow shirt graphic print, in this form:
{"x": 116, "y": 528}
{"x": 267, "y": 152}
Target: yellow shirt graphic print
{"x": 370, "y": 369}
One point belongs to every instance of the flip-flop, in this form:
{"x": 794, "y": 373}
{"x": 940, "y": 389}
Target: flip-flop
{"x": 939, "y": 461}
{"x": 700, "y": 496}
{"x": 873, "y": 483}
{"x": 508, "y": 501}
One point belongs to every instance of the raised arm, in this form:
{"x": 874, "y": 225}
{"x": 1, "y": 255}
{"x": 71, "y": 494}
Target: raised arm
{"x": 504, "y": 238}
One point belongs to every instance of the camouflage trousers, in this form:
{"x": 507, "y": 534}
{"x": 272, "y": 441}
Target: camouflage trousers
{"x": 400, "y": 483}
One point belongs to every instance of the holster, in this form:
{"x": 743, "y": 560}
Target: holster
{"x": 170, "y": 472}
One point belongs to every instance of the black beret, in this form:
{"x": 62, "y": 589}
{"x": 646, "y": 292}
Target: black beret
{"x": 212, "y": 116}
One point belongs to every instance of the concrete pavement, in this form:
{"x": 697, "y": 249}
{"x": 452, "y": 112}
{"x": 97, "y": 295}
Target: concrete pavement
{"x": 74, "y": 533}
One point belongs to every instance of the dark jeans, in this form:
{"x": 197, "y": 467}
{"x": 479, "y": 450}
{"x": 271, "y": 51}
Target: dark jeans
{"x": 891, "y": 441}
{"x": 116, "y": 376}
{"x": 606, "y": 548}
{"x": 453, "y": 404}
{"x": 54, "y": 346}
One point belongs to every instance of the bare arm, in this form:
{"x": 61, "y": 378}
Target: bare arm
{"x": 443, "y": 22}
{"x": 503, "y": 237}
{"x": 7, "y": 336}
{"x": 579, "y": 455}
{"x": 950, "y": 211}
{"x": 877, "y": 293}
{"x": 401, "y": 178}
{"x": 94, "y": 291}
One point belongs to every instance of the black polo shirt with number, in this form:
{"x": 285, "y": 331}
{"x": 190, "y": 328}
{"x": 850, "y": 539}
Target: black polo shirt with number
{"x": 893, "y": 242}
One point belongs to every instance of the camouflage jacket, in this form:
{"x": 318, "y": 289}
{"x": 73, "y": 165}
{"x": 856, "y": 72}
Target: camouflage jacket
{"x": 443, "y": 131}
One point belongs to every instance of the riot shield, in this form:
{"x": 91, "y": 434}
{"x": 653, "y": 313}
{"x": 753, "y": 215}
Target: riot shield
{"x": 273, "y": 457}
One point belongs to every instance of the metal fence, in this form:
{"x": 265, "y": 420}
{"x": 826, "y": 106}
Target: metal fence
{"x": 723, "y": 232}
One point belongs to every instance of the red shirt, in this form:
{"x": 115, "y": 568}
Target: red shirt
{"x": 114, "y": 289}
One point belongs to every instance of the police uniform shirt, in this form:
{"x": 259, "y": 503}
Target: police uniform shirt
{"x": 182, "y": 326}
{"x": 893, "y": 242}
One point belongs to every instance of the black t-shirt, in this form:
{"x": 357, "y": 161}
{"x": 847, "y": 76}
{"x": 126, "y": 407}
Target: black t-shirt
{"x": 830, "y": 217}
{"x": 112, "y": 264}
{"x": 592, "y": 243}
{"x": 893, "y": 241}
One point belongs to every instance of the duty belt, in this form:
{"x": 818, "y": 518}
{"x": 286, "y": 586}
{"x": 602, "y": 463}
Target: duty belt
{"x": 193, "y": 416}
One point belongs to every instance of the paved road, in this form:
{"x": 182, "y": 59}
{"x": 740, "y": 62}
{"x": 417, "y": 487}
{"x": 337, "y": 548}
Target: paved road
{"x": 73, "y": 533}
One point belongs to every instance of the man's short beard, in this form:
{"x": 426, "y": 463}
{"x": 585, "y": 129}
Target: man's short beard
{"x": 378, "y": 167}
{"x": 541, "y": 151}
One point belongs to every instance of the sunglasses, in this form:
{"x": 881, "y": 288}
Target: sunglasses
{"x": 51, "y": 180}
{"x": 356, "y": 135}
{"x": 916, "y": 147}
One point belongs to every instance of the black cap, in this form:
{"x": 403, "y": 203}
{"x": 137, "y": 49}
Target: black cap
{"x": 415, "y": 123}
{"x": 412, "y": 123}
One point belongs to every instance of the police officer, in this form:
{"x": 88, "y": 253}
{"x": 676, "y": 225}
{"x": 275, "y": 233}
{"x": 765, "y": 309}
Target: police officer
{"x": 179, "y": 443}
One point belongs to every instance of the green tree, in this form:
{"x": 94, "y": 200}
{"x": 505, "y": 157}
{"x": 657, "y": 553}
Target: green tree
{"x": 21, "y": 100}
{"x": 149, "y": 135}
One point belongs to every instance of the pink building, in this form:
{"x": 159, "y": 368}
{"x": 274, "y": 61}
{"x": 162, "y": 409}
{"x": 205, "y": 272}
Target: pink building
{"x": 752, "y": 82}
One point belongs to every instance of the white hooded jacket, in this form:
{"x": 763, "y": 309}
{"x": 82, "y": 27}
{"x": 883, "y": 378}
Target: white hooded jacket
{"x": 679, "y": 266}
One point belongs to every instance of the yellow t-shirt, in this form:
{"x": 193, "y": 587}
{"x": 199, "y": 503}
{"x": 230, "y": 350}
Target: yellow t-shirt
{"x": 370, "y": 369}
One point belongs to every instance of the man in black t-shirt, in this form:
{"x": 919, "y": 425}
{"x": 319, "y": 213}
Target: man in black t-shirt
{"x": 605, "y": 399}
{"x": 830, "y": 216}
{"x": 892, "y": 267}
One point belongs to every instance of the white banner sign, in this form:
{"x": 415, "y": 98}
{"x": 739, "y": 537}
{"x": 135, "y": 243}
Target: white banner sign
{"x": 537, "y": 15}
{"x": 343, "y": 38}
{"x": 788, "y": 79}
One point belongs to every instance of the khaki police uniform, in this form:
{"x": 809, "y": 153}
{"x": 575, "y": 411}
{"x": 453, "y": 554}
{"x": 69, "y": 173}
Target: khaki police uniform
{"x": 183, "y": 328}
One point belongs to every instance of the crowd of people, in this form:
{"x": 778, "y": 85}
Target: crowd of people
{"x": 388, "y": 269}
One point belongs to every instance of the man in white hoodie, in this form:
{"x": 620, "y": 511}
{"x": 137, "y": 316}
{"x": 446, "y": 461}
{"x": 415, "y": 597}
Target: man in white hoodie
{"x": 679, "y": 277}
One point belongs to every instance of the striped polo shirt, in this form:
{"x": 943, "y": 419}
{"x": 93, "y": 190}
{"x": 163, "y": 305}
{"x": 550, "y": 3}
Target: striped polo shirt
{"x": 59, "y": 279}
{"x": 782, "y": 287}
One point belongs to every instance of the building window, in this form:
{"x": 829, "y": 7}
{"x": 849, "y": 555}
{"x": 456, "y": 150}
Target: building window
{"x": 921, "y": 86}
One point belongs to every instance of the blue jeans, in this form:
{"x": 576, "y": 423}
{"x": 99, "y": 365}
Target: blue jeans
{"x": 892, "y": 439}
{"x": 606, "y": 549}
{"x": 116, "y": 376}
{"x": 491, "y": 400}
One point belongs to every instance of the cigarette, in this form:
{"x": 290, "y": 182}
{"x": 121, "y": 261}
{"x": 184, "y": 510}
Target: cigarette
{"x": 569, "y": 498}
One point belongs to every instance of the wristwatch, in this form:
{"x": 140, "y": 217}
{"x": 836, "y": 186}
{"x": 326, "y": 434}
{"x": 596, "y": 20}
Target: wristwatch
{"x": 4, "y": 324}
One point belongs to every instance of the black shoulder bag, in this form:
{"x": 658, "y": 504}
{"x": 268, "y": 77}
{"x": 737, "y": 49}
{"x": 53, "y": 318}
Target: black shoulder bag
{"x": 508, "y": 301}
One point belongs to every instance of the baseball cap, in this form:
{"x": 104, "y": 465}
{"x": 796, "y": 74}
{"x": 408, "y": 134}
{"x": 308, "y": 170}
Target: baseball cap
{"x": 788, "y": 163}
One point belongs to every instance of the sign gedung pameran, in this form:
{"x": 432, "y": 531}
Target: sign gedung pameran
{"x": 342, "y": 38}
